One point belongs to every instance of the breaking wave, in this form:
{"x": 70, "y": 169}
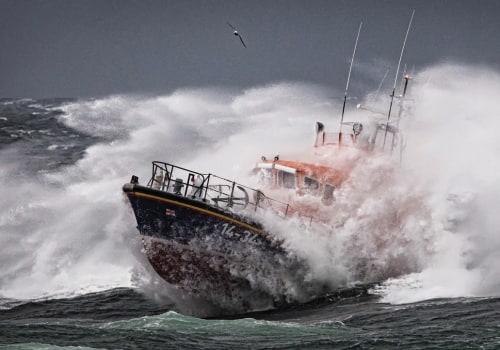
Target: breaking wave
{"x": 428, "y": 227}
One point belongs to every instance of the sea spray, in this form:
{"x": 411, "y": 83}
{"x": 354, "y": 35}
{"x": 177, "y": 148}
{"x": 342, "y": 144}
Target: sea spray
{"x": 452, "y": 151}
{"x": 68, "y": 230}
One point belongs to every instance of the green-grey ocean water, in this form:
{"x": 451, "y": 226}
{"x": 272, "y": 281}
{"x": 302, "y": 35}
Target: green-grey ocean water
{"x": 125, "y": 319}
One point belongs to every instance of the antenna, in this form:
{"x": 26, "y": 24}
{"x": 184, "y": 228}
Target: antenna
{"x": 347, "y": 84}
{"x": 396, "y": 79}
{"x": 380, "y": 85}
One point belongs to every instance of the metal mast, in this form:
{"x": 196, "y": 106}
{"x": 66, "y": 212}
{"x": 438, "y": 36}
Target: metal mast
{"x": 396, "y": 79}
{"x": 347, "y": 84}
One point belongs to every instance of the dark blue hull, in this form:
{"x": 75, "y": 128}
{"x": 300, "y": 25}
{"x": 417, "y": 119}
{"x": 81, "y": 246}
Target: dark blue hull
{"x": 196, "y": 245}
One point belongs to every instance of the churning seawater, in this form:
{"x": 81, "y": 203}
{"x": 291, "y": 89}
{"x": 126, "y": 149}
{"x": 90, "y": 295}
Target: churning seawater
{"x": 71, "y": 269}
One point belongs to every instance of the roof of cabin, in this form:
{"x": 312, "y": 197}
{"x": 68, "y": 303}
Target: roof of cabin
{"x": 321, "y": 173}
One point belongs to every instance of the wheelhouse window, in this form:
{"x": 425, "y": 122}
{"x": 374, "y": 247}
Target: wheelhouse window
{"x": 328, "y": 192}
{"x": 311, "y": 186}
{"x": 286, "y": 180}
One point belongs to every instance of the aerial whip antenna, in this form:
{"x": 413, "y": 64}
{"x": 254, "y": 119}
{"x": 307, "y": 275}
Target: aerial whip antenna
{"x": 347, "y": 84}
{"x": 380, "y": 85}
{"x": 396, "y": 78}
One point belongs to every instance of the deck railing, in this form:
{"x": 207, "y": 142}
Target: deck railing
{"x": 212, "y": 189}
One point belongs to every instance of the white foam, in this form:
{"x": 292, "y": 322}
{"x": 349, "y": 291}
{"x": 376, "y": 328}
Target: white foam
{"x": 71, "y": 231}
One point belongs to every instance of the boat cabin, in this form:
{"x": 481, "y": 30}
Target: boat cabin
{"x": 304, "y": 178}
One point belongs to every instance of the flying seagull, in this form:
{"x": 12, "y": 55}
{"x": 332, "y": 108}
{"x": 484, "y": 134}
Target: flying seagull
{"x": 235, "y": 32}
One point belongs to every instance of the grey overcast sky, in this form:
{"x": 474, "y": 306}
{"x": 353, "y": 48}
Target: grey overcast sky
{"x": 93, "y": 48}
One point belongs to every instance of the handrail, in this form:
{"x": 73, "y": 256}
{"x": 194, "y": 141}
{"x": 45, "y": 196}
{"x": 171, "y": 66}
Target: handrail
{"x": 210, "y": 188}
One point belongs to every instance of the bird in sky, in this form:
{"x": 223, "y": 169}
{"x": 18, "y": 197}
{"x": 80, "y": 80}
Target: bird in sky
{"x": 235, "y": 32}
